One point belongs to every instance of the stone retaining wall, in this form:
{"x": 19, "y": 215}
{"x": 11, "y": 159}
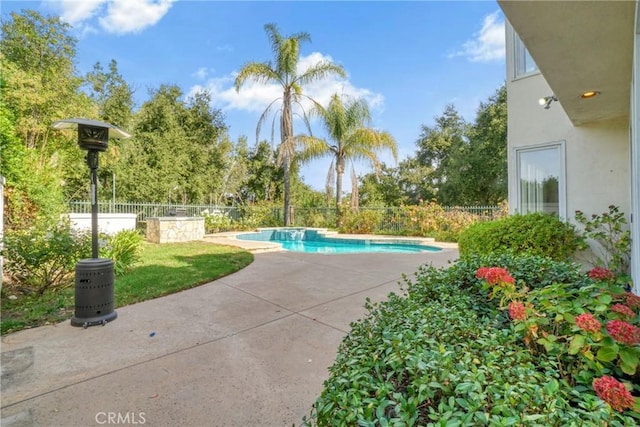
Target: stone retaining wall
{"x": 174, "y": 229}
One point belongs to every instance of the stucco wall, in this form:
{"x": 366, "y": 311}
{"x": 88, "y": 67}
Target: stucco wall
{"x": 109, "y": 223}
{"x": 596, "y": 155}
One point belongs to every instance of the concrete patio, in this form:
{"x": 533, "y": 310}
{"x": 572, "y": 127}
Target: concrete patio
{"x": 250, "y": 349}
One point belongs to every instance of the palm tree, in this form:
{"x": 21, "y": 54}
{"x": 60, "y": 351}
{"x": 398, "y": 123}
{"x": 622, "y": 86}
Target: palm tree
{"x": 346, "y": 124}
{"x": 284, "y": 72}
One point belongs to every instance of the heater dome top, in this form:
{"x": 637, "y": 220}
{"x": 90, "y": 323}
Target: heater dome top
{"x": 114, "y": 131}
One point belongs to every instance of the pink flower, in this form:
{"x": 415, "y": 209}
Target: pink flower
{"x": 600, "y": 273}
{"x": 613, "y": 392}
{"x": 624, "y": 332}
{"x": 632, "y": 300}
{"x": 588, "y": 323}
{"x": 517, "y": 310}
{"x": 624, "y": 310}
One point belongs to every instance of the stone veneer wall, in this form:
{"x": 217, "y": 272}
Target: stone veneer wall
{"x": 174, "y": 229}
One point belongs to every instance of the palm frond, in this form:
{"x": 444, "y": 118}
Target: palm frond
{"x": 261, "y": 72}
{"x": 355, "y": 195}
{"x": 331, "y": 176}
{"x": 262, "y": 118}
{"x": 319, "y": 71}
{"x": 311, "y": 148}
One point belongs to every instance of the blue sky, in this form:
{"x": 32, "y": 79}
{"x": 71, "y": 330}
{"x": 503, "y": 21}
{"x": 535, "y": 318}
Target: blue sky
{"x": 407, "y": 59}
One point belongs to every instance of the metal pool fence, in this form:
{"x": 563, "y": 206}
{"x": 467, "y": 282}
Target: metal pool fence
{"x": 392, "y": 219}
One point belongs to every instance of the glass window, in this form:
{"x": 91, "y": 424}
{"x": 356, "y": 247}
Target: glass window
{"x": 541, "y": 179}
{"x": 524, "y": 62}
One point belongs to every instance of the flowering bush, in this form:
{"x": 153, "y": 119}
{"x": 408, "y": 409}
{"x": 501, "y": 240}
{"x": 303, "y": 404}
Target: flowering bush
{"x": 588, "y": 323}
{"x": 601, "y": 273}
{"x": 517, "y": 310}
{"x": 589, "y": 329}
{"x": 624, "y": 332}
{"x": 613, "y": 392}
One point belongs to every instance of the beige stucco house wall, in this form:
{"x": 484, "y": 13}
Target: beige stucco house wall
{"x": 577, "y": 47}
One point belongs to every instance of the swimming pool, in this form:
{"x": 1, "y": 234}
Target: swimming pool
{"x": 317, "y": 241}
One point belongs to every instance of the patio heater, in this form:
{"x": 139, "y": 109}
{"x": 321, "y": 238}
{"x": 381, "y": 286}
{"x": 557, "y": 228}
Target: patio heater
{"x": 95, "y": 277}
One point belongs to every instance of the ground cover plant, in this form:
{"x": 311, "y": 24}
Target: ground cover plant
{"x": 163, "y": 269}
{"x": 451, "y": 351}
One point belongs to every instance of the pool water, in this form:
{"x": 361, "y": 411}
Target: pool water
{"x": 313, "y": 241}
{"x": 319, "y": 247}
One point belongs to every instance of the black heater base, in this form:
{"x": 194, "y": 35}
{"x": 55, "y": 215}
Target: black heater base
{"x": 94, "y": 292}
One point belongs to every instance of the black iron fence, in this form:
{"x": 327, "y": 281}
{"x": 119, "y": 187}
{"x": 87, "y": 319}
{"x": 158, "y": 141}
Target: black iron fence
{"x": 392, "y": 219}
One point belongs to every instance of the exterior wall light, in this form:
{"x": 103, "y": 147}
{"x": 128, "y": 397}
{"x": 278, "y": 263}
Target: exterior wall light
{"x": 546, "y": 101}
{"x": 589, "y": 94}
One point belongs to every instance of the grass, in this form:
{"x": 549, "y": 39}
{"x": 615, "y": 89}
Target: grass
{"x": 164, "y": 269}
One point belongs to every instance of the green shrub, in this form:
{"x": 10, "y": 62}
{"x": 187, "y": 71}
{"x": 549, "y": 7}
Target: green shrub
{"x": 612, "y": 234}
{"x": 259, "y": 215}
{"x": 360, "y": 222}
{"x": 536, "y": 271}
{"x": 442, "y": 355}
{"x": 217, "y": 223}
{"x": 43, "y": 257}
{"x": 124, "y": 248}
{"x": 535, "y": 233}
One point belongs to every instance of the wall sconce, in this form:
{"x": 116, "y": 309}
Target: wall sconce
{"x": 546, "y": 101}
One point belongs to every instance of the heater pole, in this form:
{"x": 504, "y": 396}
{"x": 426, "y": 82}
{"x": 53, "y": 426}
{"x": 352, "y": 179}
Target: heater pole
{"x": 92, "y": 162}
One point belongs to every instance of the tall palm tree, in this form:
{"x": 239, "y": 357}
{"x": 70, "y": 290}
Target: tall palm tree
{"x": 284, "y": 72}
{"x": 347, "y": 125}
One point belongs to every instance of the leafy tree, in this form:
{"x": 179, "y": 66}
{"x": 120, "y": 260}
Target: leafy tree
{"x": 384, "y": 188}
{"x": 347, "y": 125}
{"x": 113, "y": 98}
{"x": 37, "y": 56}
{"x": 284, "y": 72}
{"x": 437, "y": 144}
{"x": 39, "y": 86}
{"x": 264, "y": 176}
{"x": 177, "y": 151}
{"x": 112, "y": 94}
{"x": 31, "y": 197}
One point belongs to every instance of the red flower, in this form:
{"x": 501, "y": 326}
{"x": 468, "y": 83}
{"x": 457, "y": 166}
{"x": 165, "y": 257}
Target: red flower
{"x": 613, "y": 392}
{"x": 588, "y": 323}
{"x": 517, "y": 311}
{"x": 624, "y": 310}
{"x": 624, "y": 332}
{"x": 494, "y": 275}
{"x": 632, "y": 300}
{"x": 600, "y": 273}
{"x": 482, "y": 271}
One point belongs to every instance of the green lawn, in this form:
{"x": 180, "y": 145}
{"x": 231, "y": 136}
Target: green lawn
{"x": 164, "y": 269}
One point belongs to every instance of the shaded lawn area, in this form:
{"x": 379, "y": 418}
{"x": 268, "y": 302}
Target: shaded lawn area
{"x": 164, "y": 269}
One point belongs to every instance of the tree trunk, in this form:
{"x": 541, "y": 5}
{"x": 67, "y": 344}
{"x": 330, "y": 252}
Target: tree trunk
{"x": 287, "y": 190}
{"x": 339, "y": 173}
{"x": 286, "y": 132}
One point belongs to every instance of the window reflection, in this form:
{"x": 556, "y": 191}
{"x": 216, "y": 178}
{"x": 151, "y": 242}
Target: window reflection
{"x": 539, "y": 175}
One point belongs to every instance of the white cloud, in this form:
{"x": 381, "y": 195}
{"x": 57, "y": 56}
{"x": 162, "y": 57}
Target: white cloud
{"x": 202, "y": 73}
{"x": 117, "y": 16}
{"x": 488, "y": 44}
{"x": 76, "y": 11}
{"x": 256, "y": 97}
{"x": 132, "y": 16}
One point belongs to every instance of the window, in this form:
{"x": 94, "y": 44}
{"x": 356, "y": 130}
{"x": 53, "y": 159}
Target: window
{"x": 541, "y": 183}
{"x": 524, "y": 62}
